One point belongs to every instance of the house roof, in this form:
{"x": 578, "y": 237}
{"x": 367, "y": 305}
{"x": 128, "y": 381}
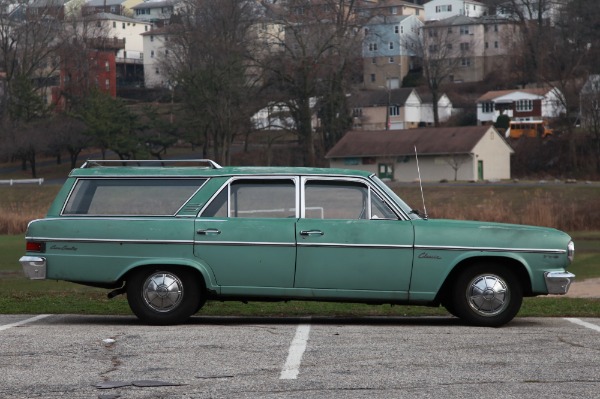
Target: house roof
{"x": 428, "y": 141}
{"x": 490, "y": 95}
{"x": 103, "y": 3}
{"x": 374, "y": 98}
{"x": 154, "y": 4}
{"x": 105, "y": 16}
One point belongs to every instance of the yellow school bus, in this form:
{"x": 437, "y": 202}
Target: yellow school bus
{"x": 518, "y": 129}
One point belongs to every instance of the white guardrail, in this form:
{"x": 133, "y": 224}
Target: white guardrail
{"x": 12, "y": 182}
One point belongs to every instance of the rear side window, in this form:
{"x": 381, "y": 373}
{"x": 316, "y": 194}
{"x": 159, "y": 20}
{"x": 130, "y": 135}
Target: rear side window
{"x": 118, "y": 197}
{"x": 249, "y": 198}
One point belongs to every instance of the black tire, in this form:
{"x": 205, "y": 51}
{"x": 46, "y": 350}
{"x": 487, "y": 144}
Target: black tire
{"x": 164, "y": 296}
{"x": 487, "y": 295}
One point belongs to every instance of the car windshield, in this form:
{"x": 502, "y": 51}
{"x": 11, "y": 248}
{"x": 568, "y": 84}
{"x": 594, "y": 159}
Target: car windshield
{"x": 403, "y": 206}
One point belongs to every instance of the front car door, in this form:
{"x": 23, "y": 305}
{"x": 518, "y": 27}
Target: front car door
{"x": 350, "y": 240}
{"x": 246, "y": 235}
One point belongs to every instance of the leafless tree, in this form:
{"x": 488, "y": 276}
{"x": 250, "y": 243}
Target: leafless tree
{"x": 440, "y": 55}
{"x": 208, "y": 63}
{"x": 310, "y": 66}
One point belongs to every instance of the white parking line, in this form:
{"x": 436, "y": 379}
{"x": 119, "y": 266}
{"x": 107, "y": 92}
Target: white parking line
{"x": 583, "y": 323}
{"x": 291, "y": 368}
{"x": 26, "y": 321}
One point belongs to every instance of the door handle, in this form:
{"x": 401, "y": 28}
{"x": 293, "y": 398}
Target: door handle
{"x": 311, "y": 233}
{"x": 209, "y": 232}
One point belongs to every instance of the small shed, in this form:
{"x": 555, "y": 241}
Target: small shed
{"x": 472, "y": 153}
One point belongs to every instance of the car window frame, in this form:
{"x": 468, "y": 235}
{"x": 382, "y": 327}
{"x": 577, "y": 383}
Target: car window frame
{"x": 371, "y": 190}
{"x": 132, "y": 178}
{"x": 227, "y": 186}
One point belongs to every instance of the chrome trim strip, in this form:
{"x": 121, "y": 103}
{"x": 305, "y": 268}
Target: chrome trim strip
{"x": 340, "y": 245}
{"x": 246, "y": 243}
{"x": 491, "y": 249}
{"x": 113, "y": 240}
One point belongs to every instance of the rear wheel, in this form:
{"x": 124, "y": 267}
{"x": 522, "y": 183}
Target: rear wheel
{"x": 487, "y": 295}
{"x": 167, "y": 296}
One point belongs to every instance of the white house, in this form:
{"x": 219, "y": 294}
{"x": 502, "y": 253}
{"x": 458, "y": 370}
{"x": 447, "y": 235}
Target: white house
{"x": 123, "y": 28}
{"x": 440, "y": 9}
{"x": 523, "y": 105}
{"x": 156, "y": 12}
{"x": 155, "y": 48}
{"x": 386, "y": 109}
{"x": 472, "y": 153}
{"x": 444, "y": 108}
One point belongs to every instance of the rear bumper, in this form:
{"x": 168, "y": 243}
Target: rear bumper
{"x": 558, "y": 282}
{"x": 34, "y": 267}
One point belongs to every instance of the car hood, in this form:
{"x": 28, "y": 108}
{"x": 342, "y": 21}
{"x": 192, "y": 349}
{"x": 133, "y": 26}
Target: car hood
{"x": 473, "y": 234}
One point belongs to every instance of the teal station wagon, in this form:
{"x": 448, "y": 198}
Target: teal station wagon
{"x": 176, "y": 234}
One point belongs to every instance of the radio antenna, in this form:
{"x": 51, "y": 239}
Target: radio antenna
{"x": 421, "y": 185}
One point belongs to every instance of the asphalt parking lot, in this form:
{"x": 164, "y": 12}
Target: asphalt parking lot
{"x": 71, "y": 356}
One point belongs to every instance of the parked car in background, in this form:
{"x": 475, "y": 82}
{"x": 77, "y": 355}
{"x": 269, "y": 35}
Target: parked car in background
{"x": 174, "y": 235}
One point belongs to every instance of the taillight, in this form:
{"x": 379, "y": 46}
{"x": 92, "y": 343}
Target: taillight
{"x": 35, "y": 246}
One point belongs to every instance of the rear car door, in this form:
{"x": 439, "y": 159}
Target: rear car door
{"x": 246, "y": 234}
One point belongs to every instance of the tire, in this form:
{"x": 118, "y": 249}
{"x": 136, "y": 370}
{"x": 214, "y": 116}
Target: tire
{"x": 487, "y": 295}
{"x": 164, "y": 296}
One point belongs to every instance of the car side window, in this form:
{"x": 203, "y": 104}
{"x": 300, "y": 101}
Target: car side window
{"x": 123, "y": 197}
{"x": 330, "y": 199}
{"x": 255, "y": 198}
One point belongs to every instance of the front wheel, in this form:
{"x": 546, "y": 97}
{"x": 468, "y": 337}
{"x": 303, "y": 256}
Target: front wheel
{"x": 487, "y": 295}
{"x": 162, "y": 297}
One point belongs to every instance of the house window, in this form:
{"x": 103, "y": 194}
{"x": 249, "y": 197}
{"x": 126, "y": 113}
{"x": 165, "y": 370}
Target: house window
{"x": 396, "y": 29}
{"x": 391, "y": 60}
{"x": 524, "y": 105}
{"x": 487, "y": 45}
{"x": 157, "y": 71}
{"x": 466, "y": 62}
{"x": 373, "y": 77}
{"x": 123, "y": 25}
{"x": 394, "y": 10}
{"x": 433, "y": 48}
{"x": 464, "y": 46}
{"x": 114, "y": 24}
{"x": 372, "y": 46}
{"x": 373, "y": 60}
{"x": 357, "y": 112}
{"x": 394, "y": 110}
{"x": 152, "y": 54}
{"x": 151, "y": 38}
{"x": 391, "y": 45}
{"x": 146, "y": 28}
{"x": 464, "y": 30}
{"x": 449, "y": 29}
{"x": 495, "y": 44}
{"x": 107, "y": 84}
{"x": 487, "y": 108}
{"x": 449, "y": 46}
{"x": 106, "y": 66}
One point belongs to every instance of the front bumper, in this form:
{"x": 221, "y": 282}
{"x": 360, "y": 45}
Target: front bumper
{"x": 34, "y": 267}
{"x": 558, "y": 282}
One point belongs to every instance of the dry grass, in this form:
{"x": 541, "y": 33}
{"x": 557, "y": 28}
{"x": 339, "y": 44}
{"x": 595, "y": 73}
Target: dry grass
{"x": 566, "y": 207}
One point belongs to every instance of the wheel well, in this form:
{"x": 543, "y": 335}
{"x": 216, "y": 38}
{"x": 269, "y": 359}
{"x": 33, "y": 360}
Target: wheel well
{"x": 514, "y": 265}
{"x": 197, "y": 275}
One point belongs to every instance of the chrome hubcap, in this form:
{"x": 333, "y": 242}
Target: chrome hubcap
{"x": 163, "y": 291}
{"x": 488, "y": 295}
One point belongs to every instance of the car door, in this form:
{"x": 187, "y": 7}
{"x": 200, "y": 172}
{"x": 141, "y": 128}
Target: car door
{"x": 246, "y": 234}
{"x": 349, "y": 239}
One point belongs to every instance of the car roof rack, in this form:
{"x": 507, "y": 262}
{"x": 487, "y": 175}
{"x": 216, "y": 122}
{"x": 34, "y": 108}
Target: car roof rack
{"x": 95, "y": 163}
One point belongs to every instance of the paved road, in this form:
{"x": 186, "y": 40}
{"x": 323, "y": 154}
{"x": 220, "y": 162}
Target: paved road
{"x": 74, "y": 356}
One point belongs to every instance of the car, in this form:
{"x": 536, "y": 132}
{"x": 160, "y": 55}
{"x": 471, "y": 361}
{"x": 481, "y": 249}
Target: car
{"x": 175, "y": 234}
